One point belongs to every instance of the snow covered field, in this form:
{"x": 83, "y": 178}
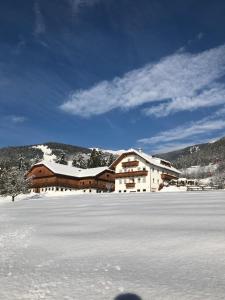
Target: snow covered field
{"x": 93, "y": 247}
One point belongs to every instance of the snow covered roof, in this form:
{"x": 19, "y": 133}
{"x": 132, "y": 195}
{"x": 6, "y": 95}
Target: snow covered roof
{"x": 152, "y": 160}
{"x": 72, "y": 171}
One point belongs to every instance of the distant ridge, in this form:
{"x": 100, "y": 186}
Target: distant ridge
{"x": 199, "y": 154}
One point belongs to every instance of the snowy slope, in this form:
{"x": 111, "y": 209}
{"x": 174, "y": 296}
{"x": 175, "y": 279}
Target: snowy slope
{"x": 114, "y": 152}
{"x": 47, "y": 153}
{"x": 160, "y": 246}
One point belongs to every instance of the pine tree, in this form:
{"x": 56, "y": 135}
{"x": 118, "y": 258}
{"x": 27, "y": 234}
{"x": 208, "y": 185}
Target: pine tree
{"x": 111, "y": 159}
{"x": 79, "y": 162}
{"x": 13, "y": 182}
{"x": 97, "y": 159}
{"x": 62, "y": 160}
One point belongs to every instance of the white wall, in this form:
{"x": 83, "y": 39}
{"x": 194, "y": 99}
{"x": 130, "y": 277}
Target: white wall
{"x": 149, "y": 183}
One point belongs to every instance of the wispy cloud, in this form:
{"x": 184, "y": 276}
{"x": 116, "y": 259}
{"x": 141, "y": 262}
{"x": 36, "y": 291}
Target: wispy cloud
{"x": 39, "y": 24}
{"x": 188, "y": 134}
{"x": 213, "y": 96}
{"x": 76, "y": 5}
{"x": 15, "y": 119}
{"x": 186, "y": 131}
{"x": 174, "y": 78}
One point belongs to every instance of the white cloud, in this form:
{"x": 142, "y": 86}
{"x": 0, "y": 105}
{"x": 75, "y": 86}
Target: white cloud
{"x": 168, "y": 147}
{"x": 186, "y": 131}
{"x": 76, "y": 5}
{"x": 213, "y": 96}
{"x": 16, "y": 119}
{"x": 39, "y": 25}
{"x": 175, "y": 78}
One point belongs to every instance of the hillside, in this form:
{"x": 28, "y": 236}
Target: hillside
{"x": 10, "y": 156}
{"x": 208, "y": 156}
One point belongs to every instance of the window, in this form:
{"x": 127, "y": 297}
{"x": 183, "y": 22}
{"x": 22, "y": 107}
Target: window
{"x": 120, "y": 181}
{"x": 89, "y": 182}
{"x": 124, "y": 191}
{"x": 153, "y": 180}
{"x": 119, "y": 191}
{"x": 62, "y": 189}
{"x": 139, "y": 179}
{"x": 158, "y": 180}
{"x": 89, "y": 191}
{"x": 138, "y": 190}
{"x": 57, "y": 189}
{"x": 144, "y": 169}
{"x": 144, "y": 179}
{"x": 144, "y": 190}
{"x": 153, "y": 169}
{"x": 84, "y": 191}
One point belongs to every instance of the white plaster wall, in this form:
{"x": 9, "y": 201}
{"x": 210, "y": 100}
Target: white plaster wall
{"x": 149, "y": 183}
{"x": 141, "y": 183}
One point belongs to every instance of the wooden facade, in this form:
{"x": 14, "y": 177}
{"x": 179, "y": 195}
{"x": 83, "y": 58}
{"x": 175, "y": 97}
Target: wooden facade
{"x": 42, "y": 178}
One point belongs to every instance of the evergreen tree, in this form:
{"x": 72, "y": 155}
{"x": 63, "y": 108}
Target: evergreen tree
{"x": 111, "y": 159}
{"x": 13, "y": 182}
{"x": 79, "y": 162}
{"x": 97, "y": 159}
{"x": 62, "y": 160}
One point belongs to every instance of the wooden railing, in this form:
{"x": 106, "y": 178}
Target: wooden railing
{"x": 131, "y": 174}
{"x": 130, "y": 185}
{"x": 128, "y": 164}
{"x": 165, "y": 176}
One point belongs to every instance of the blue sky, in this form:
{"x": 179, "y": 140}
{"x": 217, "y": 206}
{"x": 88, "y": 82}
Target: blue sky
{"x": 113, "y": 74}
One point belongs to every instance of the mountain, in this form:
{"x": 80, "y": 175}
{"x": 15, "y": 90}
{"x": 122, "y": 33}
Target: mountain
{"x": 51, "y": 151}
{"x": 202, "y": 155}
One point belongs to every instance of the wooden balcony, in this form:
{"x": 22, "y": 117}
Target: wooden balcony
{"x": 130, "y": 185}
{"x": 128, "y": 164}
{"x": 165, "y": 176}
{"x": 131, "y": 174}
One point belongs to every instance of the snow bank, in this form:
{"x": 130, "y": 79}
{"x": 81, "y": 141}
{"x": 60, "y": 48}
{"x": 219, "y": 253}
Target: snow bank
{"x": 173, "y": 189}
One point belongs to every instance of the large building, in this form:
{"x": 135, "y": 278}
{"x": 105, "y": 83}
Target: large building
{"x": 51, "y": 176}
{"x": 136, "y": 171}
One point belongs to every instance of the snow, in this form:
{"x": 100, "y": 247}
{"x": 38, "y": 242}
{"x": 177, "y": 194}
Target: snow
{"x": 47, "y": 153}
{"x": 173, "y": 188}
{"x": 114, "y": 152}
{"x": 92, "y": 247}
{"x": 193, "y": 170}
{"x": 70, "y": 170}
{"x": 153, "y": 160}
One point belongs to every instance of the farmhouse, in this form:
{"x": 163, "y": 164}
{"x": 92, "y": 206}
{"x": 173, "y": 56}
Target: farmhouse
{"x": 136, "y": 171}
{"x": 51, "y": 176}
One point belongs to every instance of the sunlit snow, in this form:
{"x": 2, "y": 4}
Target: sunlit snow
{"x": 94, "y": 247}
